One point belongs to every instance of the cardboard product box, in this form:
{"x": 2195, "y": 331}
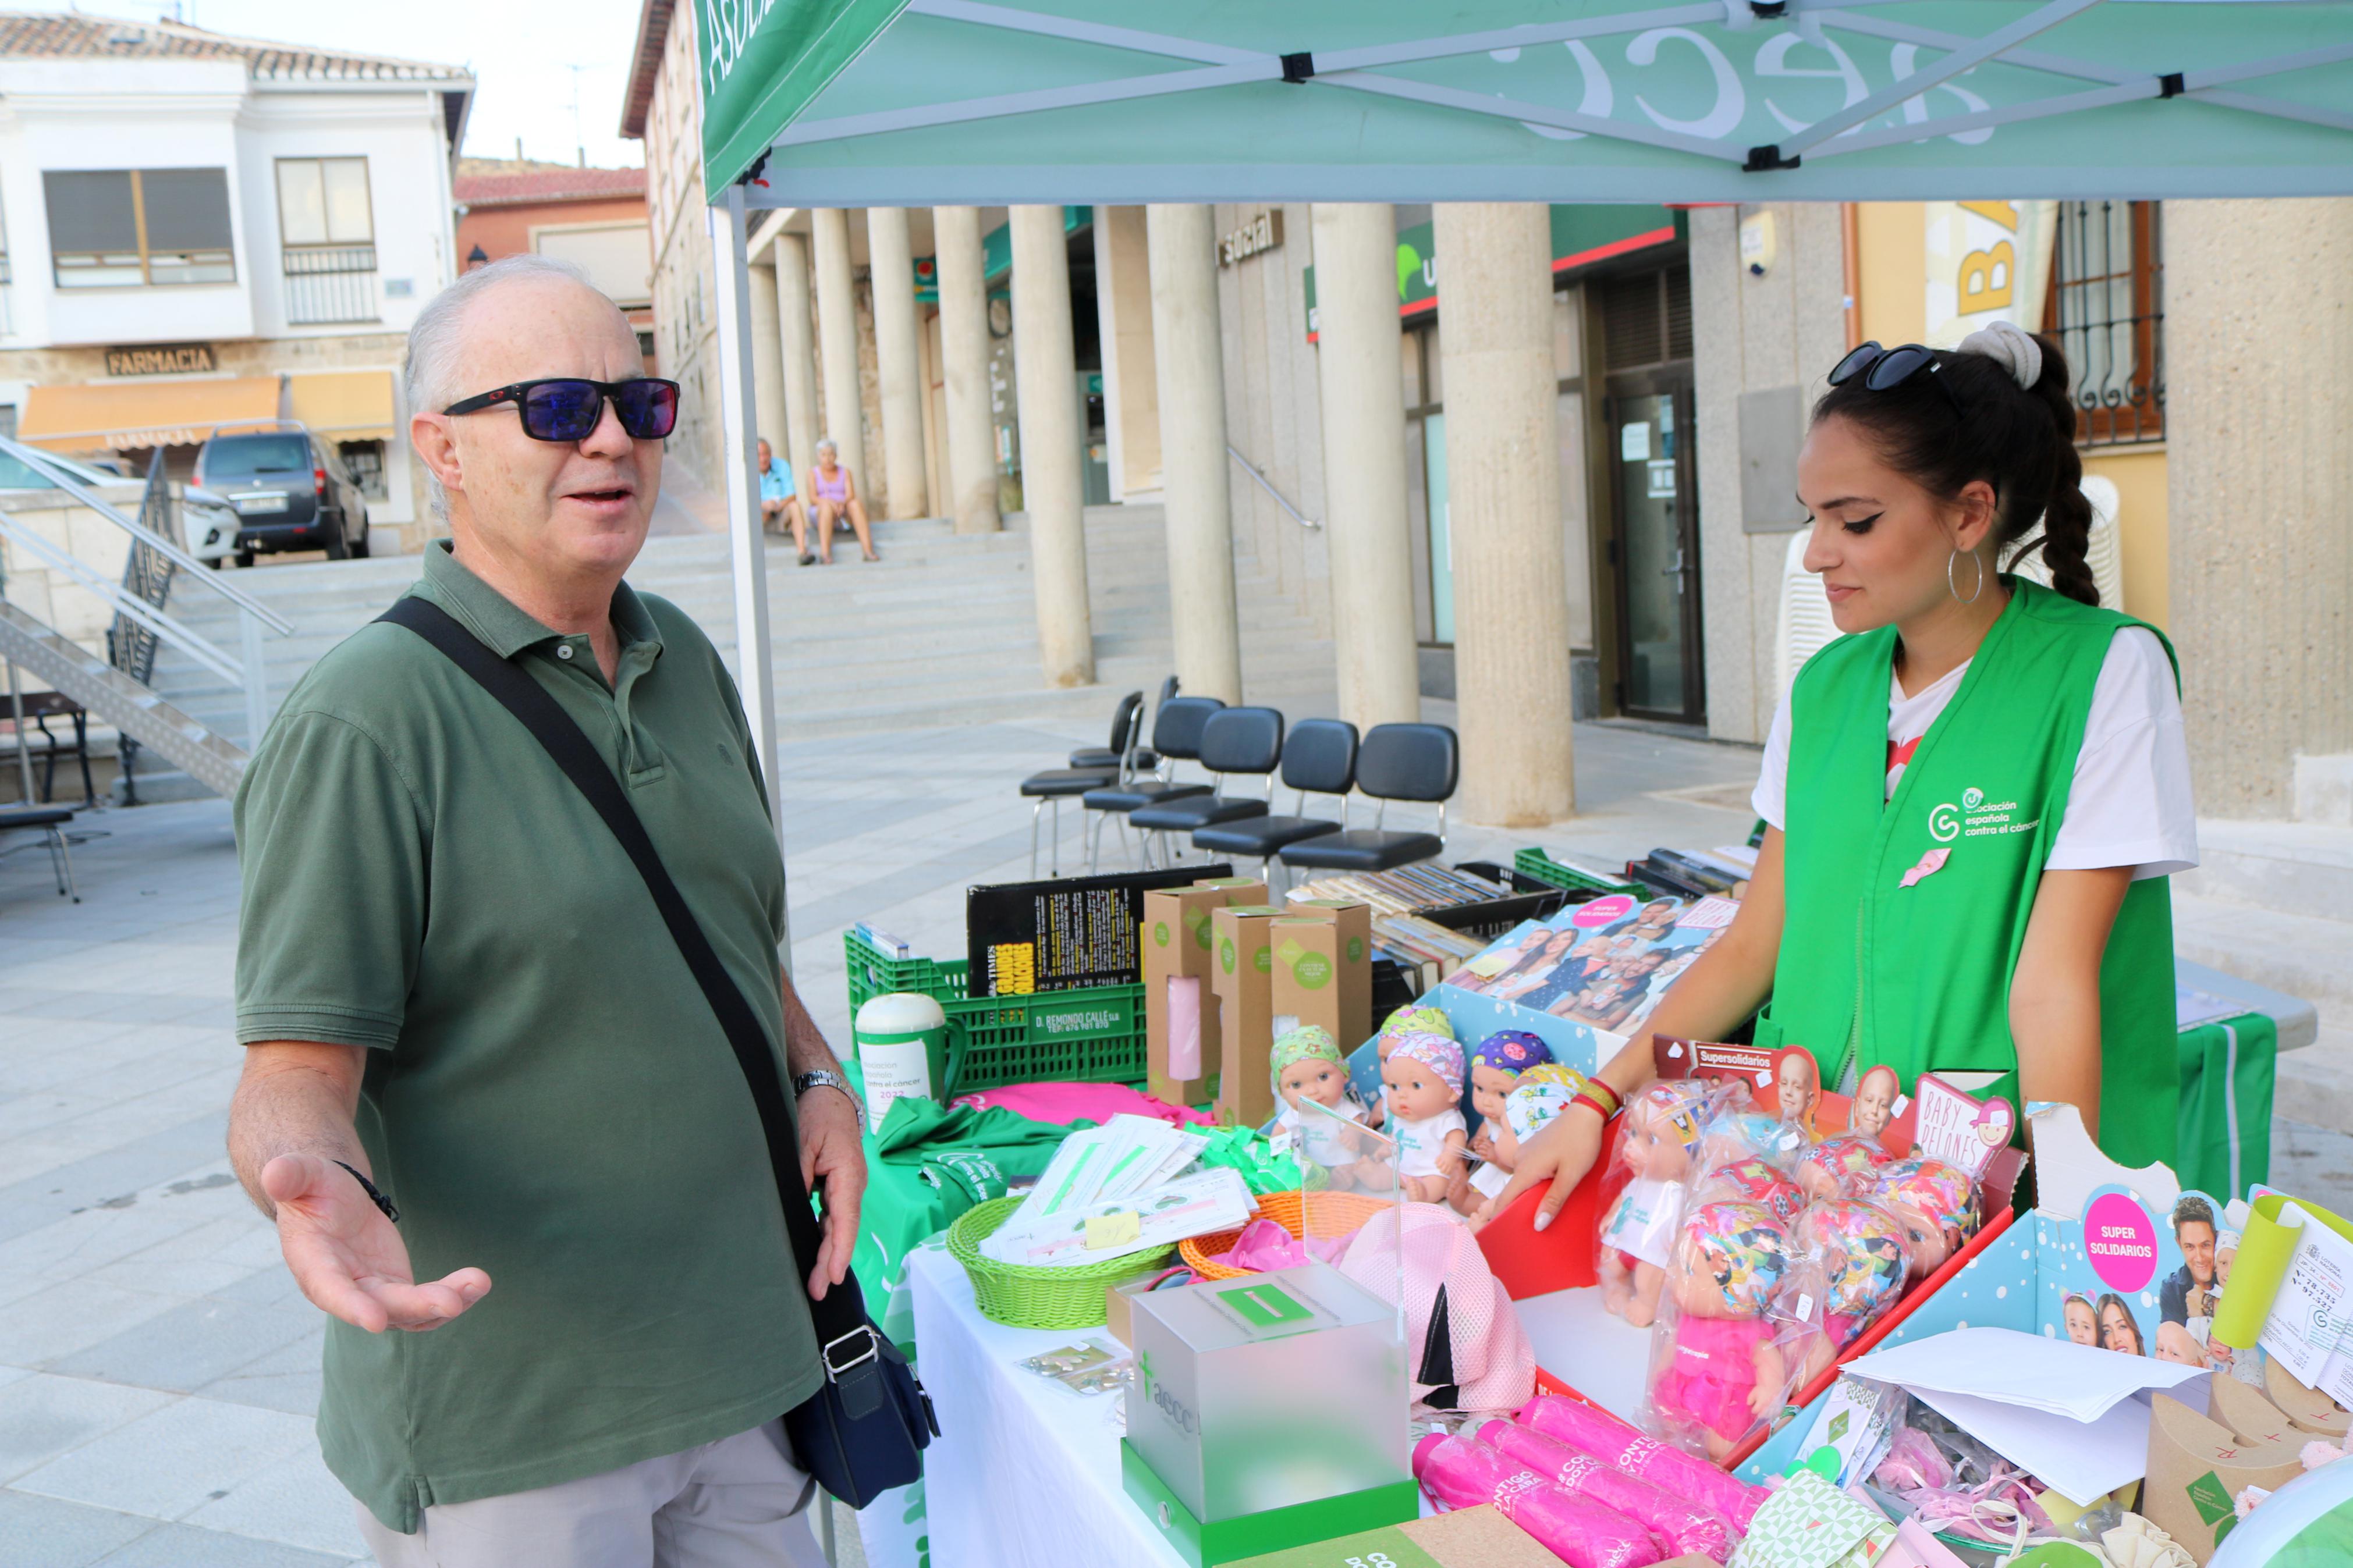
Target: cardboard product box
{"x": 1242, "y": 975}
{"x": 2198, "y": 1468}
{"x": 1468, "y": 1538}
{"x": 1354, "y": 951}
{"x": 1180, "y": 1012}
{"x": 2307, "y": 1409}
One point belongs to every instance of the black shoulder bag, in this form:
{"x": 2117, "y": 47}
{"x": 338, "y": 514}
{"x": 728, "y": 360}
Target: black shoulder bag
{"x": 864, "y": 1431}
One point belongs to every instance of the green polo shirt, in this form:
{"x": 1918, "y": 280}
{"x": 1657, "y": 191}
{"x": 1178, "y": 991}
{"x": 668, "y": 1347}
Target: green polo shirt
{"x": 548, "y": 1097}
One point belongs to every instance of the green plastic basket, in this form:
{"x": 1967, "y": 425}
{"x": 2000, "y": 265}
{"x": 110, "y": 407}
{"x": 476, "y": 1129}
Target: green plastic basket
{"x": 1535, "y": 863}
{"x": 874, "y": 972}
{"x": 1020, "y": 1296}
{"x": 1093, "y": 1035}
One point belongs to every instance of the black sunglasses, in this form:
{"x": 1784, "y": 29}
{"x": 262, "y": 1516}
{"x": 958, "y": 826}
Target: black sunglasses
{"x": 1883, "y": 369}
{"x": 565, "y": 408}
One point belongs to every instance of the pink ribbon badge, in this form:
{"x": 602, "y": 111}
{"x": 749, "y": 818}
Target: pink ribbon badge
{"x": 1930, "y": 863}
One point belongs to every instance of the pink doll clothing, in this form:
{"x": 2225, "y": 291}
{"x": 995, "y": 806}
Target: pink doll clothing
{"x": 1714, "y": 1372}
{"x": 1419, "y": 1143}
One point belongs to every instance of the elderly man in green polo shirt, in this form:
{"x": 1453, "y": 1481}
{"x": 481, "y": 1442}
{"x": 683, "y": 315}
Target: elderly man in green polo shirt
{"x": 573, "y": 1349}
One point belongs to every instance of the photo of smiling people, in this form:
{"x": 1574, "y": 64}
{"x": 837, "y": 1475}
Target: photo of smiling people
{"x": 2083, "y": 1319}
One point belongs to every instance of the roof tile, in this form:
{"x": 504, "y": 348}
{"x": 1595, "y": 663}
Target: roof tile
{"x": 34, "y": 35}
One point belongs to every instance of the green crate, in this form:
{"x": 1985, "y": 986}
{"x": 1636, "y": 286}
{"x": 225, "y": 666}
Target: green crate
{"x": 874, "y": 972}
{"x": 1092, "y": 1036}
{"x": 1535, "y": 863}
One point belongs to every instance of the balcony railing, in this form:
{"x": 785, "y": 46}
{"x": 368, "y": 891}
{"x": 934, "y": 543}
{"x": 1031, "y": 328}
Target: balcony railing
{"x": 329, "y": 283}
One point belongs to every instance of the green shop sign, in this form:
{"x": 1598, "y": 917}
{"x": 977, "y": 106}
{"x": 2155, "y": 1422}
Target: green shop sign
{"x": 995, "y": 254}
{"x": 1581, "y": 236}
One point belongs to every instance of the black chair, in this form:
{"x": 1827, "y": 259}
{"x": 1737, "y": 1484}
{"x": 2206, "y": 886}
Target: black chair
{"x": 40, "y": 707}
{"x": 49, "y": 821}
{"x": 1319, "y": 758}
{"x": 1236, "y": 741}
{"x": 1057, "y": 784}
{"x": 1175, "y": 737}
{"x": 1397, "y": 761}
{"x": 1115, "y": 754}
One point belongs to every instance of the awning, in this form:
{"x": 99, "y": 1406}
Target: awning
{"x": 910, "y": 102}
{"x": 119, "y": 414}
{"x": 343, "y": 404}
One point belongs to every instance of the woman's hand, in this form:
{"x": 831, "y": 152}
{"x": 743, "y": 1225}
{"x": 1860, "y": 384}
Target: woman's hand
{"x": 1561, "y": 1154}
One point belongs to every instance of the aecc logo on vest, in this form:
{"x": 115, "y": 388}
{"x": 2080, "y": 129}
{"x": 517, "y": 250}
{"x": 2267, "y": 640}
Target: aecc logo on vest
{"x": 1977, "y": 817}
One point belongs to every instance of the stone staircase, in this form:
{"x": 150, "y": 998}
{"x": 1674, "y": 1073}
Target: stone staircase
{"x": 2273, "y": 902}
{"x": 194, "y": 745}
{"x": 941, "y": 632}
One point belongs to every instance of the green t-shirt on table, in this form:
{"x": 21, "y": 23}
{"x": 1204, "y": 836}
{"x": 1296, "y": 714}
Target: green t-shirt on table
{"x": 548, "y": 1096}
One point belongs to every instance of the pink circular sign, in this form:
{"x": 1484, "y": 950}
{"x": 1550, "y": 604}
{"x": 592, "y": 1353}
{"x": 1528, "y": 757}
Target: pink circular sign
{"x": 1608, "y": 910}
{"x": 2121, "y": 1242}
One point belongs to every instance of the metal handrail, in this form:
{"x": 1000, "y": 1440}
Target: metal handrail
{"x": 196, "y": 645}
{"x": 41, "y": 463}
{"x": 1296, "y": 515}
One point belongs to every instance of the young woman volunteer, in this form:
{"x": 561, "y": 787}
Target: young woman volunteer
{"x": 1973, "y": 798}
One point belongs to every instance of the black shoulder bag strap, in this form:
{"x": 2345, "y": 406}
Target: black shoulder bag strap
{"x": 864, "y": 1431}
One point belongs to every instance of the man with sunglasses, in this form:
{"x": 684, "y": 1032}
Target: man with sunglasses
{"x": 507, "y": 1145}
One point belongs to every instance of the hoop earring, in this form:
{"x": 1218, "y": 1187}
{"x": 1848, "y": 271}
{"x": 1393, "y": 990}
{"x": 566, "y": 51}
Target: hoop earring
{"x": 1954, "y": 588}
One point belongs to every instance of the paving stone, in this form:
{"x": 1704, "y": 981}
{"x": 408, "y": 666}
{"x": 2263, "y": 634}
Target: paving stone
{"x": 191, "y": 1345}
{"x": 167, "y": 1464}
{"x": 43, "y": 1417}
{"x": 184, "y": 1546}
{"x": 295, "y": 1501}
{"x": 42, "y": 1532}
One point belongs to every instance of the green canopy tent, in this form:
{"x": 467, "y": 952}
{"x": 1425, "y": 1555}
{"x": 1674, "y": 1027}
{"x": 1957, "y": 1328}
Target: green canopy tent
{"x": 916, "y": 102}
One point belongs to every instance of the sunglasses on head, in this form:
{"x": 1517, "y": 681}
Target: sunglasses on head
{"x": 568, "y": 409}
{"x": 1883, "y": 369}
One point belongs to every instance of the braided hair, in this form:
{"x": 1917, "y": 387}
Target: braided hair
{"x": 2018, "y": 440}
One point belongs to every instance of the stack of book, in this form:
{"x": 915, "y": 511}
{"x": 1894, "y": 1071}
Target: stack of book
{"x": 1409, "y": 889}
{"x": 1697, "y": 873}
{"x": 1426, "y": 952}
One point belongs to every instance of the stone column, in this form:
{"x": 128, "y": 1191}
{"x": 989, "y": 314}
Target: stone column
{"x": 963, "y": 354}
{"x": 1502, "y": 477}
{"x": 891, "y": 262}
{"x": 798, "y": 353}
{"x": 1045, "y": 379}
{"x": 767, "y": 360}
{"x": 1365, "y": 528}
{"x": 1190, "y": 356}
{"x": 837, "y": 327}
{"x": 2259, "y": 475}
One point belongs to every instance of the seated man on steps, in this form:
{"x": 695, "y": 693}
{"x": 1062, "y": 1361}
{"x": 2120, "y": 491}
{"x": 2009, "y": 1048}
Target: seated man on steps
{"x": 566, "y": 1332}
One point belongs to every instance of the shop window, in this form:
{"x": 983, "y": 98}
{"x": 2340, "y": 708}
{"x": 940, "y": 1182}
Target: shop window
{"x": 2107, "y": 308}
{"x": 128, "y": 228}
{"x": 363, "y": 460}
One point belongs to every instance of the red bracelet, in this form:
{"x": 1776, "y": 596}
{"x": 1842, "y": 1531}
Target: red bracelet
{"x": 1581, "y": 1098}
{"x": 1609, "y": 1097}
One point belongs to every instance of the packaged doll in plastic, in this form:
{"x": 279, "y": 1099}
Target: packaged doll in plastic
{"x": 1842, "y": 1166}
{"x": 1856, "y": 1253}
{"x": 1719, "y": 1366}
{"x": 1752, "y": 1180}
{"x": 1422, "y": 1079}
{"x": 1306, "y": 1065}
{"x": 1638, "y": 1235}
{"x": 1737, "y": 1133}
{"x": 1938, "y": 1203}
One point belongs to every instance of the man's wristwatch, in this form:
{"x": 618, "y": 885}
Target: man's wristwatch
{"x": 827, "y": 1078}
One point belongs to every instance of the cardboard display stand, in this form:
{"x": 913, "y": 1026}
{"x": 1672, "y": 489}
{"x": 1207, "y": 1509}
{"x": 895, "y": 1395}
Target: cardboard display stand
{"x": 2197, "y": 1466}
{"x": 1182, "y": 1041}
{"x": 1243, "y": 978}
{"x": 1316, "y": 979}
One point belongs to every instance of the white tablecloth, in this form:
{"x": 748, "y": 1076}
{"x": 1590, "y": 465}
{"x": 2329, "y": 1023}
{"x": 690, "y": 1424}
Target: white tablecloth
{"x": 1024, "y": 1474}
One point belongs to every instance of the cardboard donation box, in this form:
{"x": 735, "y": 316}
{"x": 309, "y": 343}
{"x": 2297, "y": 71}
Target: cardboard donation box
{"x": 1180, "y": 1011}
{"x": 2198, "y": 1466}
{"x": 1268, "y": 1412}
{"x": 1242, "y": 975}
{"x": 1468, "y": 1538}
{"x": 1344, "y": 1005}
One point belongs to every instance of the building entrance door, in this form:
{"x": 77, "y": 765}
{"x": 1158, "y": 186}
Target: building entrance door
{"x": 1654, "y": 495}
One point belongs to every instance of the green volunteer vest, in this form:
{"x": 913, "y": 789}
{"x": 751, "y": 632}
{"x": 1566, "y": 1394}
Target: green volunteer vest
{"x": 1918, "y": 977}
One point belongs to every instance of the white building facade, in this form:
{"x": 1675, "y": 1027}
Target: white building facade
{"x": 200, "y": 229}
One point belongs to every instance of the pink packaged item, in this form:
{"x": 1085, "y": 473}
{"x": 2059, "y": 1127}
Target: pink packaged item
{"x": 1462, "y": 1472}
{"x": 1721, "y": 1362}
{"x": 1606, "y": 1438}
{"x": 1841, "y": 1166}
{"x": 1680, "y": 1526}
{"x": 1066, "y": 1102}
{"x": 1264, "y": 1246}
{"x": 1484, "y": 1361}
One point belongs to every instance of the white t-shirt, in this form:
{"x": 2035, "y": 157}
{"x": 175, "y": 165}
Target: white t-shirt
{"x": 2129, "y": 803}
{"x": 1419, "y": 1143}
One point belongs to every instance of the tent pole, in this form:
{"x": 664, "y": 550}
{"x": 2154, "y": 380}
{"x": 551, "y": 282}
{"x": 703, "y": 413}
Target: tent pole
{"x": 746, "y": 547}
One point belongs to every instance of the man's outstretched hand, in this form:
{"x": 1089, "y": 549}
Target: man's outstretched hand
{"x": 349, "y": 1258}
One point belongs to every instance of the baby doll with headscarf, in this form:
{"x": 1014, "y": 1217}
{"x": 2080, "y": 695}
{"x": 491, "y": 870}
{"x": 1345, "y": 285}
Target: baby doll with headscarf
{"x": 1306, "y": 1065}
{"x": 1720, "y": 1369}
{"x": 1663, "y": 1122}
{"x": 1496, "y": 1064}
{"x": 1858, "y": 1252}
{"x": 1937, "y": 1205}
{"x": 1540, "y": 1095}
{"x": 1422, "y": 1080}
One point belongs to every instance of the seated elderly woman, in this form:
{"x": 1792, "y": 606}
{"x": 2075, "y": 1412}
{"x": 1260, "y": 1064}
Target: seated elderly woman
{"x": 833, "y": 497}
